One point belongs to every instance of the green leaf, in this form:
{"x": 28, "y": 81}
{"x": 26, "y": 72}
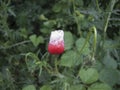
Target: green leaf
{"x": 57, "y": 7}
{"x": 68, "y": 40}
{"x": 108, "y": 44}
{"x": 79, "y": 2}
{"x": 46, "y": 87}
{"x": 99, "y": 86}
{"x": 45, "y": 30}
{"x": 24, "y": 32}
{"x": 77, "y": 87}
{"x": 36, "y": 40}
{"x": 42, "y": 17}
{"x": 109, "y": 76}
{"x": 88, "y": 76}
{"x": 29, "y": 87}
{"x": 79, "y": 44}
{"x": 49, "y": 23}
{"x": 109, "y": 62}
{"x": 40, "y": 39}
{"x": 69, "y": 59}
{"x": 32, "y": 61}
{"x": 98, "y": 65}
{"x": 11, "y": 12}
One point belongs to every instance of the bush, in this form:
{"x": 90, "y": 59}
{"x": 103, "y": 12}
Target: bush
{"x": 91, "y": 60}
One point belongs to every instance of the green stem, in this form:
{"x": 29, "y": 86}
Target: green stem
{"x": 110, "y": 9}
{"x": 16, "y": 44}
{"x": 116, "y": 46}
{"x": 97, "y": 5}
{"x": 88, "y": 37}
{"x": 95, "y": 41}
{"x": 48, "y": 70}
{"x": 73, "y": 3}
{"x": 56, "y": 65}
{"x": 76, "y": 19}
{"x": 78, "y": 26}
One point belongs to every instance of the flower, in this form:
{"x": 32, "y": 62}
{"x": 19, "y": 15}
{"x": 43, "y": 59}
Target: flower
{"x": 56, "y": 43}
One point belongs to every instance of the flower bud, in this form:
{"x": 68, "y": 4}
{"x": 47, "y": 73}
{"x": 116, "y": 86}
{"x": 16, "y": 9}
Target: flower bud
{"x": 56, "y": 43}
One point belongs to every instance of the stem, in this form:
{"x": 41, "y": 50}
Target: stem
{"x": 88, "y": 37}
{"x": 116, "y": 46}
{"x": 110, "y": 9}
{"x": 48, "y": 70}
{"x": 76, "y": 19}
{"x": 73, "y": 6}
{"x": 95, "y": 40}
{"x": 109, "y": 14}
{"x": 78, "y": 26}
{"x": 97, "y": 5}
{"x": 56, "y": 65}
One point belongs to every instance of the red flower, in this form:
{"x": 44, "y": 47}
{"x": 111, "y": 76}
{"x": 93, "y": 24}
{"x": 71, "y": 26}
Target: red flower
{"x": 56, "y": 43}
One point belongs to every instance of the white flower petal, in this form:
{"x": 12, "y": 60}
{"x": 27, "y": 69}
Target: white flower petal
{"x": 56, "y": 36}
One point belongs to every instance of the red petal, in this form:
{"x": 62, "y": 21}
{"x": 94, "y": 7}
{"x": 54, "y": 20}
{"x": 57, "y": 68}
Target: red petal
{"x": 56, "y": 49}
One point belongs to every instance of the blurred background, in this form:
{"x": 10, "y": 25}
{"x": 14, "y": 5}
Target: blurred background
{"x": 92, "y": 45}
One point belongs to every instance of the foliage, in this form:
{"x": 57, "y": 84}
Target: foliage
{"x": 91, "y": 60}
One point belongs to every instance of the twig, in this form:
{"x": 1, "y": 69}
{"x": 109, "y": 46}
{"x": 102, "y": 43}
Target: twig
{"x": 16, "y": 44}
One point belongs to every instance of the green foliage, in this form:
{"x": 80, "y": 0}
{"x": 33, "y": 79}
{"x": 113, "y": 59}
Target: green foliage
{"x": 36, "y": 40}
{"x": 80, "y": 43}
{"x": 88, "y": 76}
{"x": 45, "y": 87}
{"x": 91, "y": 60}
{"x": 29, "y": 87}
{"x": 109, "y": 62}
{"x": 77, "y": 87}
{"x": 68, "y": 40}
{"x": 109, "y": 76}
{"x": 99, "y": 86}
{"x": 70, "y": 59}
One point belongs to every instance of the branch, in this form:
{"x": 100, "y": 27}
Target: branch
{"x": 16, "y": 44}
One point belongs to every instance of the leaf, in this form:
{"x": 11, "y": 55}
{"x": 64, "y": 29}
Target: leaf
{"x": 108, "y": 44}
{"x": 79, "y": 2}
{"x": 88, "y": 76}
{"x": 57, "y": 7}
{"x": 45, "y": 30}
{"x": 32, "y": 61}
{"x": 109, "y": 62}
{"x": 46, "y": 87}
{"x": 99, "y": 86}
{"x": 79, "y": 44}
{"x": 11, "y": 12}
{"x": 70, "y": 59}
{"x": 42, "y": 17}
{"x": 40, "y": 39}
{"x": 29, "y": 87}
{"x": 49, "y": 23}
{"x": 36, "y": 40}
{"x": 77, "y": 87}
{"x": 24, "y": 33}
{"x": 98, "y": 65}
{"x": 109, "y": 76}
{"x": 22, "y": 19}
{"x": 68, "y": 40}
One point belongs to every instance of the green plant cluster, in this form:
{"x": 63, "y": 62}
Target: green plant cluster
{"x": 91, "y": 60}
